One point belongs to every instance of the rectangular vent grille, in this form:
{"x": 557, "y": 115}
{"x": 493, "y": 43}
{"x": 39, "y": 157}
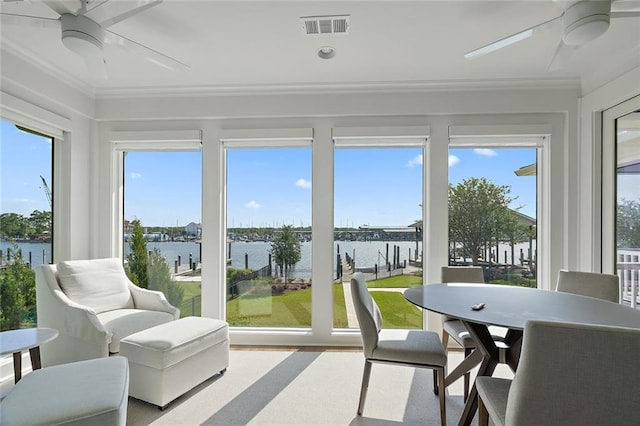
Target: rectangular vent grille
{"x": 326, "y": 24}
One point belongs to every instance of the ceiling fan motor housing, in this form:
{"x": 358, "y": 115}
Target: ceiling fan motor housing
{"x": 82, "y": 35}
{"x": 584, "y": 21}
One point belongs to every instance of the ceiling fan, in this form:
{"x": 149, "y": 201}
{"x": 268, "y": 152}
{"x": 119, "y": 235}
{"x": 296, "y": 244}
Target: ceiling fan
{"x": 84, "y": 31}
{"x": 582, "y": 21}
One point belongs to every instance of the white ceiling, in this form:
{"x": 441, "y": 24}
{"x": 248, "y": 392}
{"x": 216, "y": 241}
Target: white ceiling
{"x": 240, "y": 45}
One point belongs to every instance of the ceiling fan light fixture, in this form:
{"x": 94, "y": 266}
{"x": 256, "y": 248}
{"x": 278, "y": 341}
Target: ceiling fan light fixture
{"x": 585, "y": 21}
{"x": 82, "y": 35}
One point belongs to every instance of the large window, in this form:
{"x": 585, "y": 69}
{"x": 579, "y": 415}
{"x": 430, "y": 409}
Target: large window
{"x": 26, "y": 206}
{"x": 492, "y": 212}
{"x": 162, "y": 224}
{"x": 378, "y": 188}
{"x": 268, "y": 247}
{"x": 290, "y": 214}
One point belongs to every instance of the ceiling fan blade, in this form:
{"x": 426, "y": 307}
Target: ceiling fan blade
{"x": 561, "y": 56}
{"x": 149, "y": 54}
{"x": 61, "y": 7}
{"x": 32, "y": 21}
{"x": 509, "y": 40}
{"x": 625, "y": 5}
{"x": 110, "y": 13}
{"x": 629, "y": 14}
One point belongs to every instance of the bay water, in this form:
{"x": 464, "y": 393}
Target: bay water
{"x": 256, "y": 253}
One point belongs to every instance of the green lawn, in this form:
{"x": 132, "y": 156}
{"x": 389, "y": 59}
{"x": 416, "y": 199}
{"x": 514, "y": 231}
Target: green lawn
{"x": 396, "y": 311}
{"x": 339, "y": 310}
{"x": 398, "y": 281}
{"x": 293, "y": 308}
{"x": 191, "y": 306}
{"x": 290, "y": 309}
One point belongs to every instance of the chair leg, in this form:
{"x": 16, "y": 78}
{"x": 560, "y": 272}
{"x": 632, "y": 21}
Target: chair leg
{"x": 435, "y": 382}
{"x": 483, "y": 414}
{"x": 365, "y": 385}
{"x": 441, "y": 395}
{"x": 467, "y": 375}
{"x": 445, "y": 340}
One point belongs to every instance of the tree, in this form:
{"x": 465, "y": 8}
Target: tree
{"x": 628, "y": 224}
{"x": 40, "y": 221}
{"x": 17, "y": 293}
{"x": 159, "y": 278}
{"x": 478, "y": 210}
{"x": 286, "y": 250}
{"x": 13, "y": 225}
{"x": 149, "y": 269}
{"x": 138, "y": 257}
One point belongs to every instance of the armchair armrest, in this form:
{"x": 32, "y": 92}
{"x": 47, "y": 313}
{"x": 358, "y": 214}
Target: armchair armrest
{"x": 152, "y": 300}
{"x": 82, "y": 322}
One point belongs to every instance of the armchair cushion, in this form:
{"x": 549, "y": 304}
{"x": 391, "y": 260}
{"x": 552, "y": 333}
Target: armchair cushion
{"x": 123, "y": 322}
{"x": 99, "y": 284}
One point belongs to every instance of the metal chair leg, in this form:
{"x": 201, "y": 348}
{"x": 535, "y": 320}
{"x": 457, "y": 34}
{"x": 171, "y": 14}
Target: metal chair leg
{"x": 365, "y": 385}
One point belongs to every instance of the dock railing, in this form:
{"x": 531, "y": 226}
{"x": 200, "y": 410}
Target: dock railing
{"x": 628, "y": 271}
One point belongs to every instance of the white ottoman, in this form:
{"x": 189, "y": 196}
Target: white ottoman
{"x": 92, "y": 392}
{"x": 168, "y": 360}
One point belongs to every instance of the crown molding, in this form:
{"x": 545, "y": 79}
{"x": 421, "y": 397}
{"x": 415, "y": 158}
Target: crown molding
{"x": 36, "y": 61}
{"x": 302, "y": 88}
{"x": 343, "y": 87}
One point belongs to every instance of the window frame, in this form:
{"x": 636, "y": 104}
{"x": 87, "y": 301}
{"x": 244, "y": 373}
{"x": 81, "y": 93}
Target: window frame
{"x": 520, "y": 136}
{"x": 608, "y": 190}
{"x": 321, "y": 131}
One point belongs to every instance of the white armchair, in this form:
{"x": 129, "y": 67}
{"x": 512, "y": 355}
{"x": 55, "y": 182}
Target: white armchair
{"x": 93, "y": 305}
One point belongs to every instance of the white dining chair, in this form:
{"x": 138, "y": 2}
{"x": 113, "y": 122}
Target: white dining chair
{"x": 413, "y": 348}
{"x": 452, "y": 327}
{"x": 592, "y": 284}
{"x": 569, "y": 374}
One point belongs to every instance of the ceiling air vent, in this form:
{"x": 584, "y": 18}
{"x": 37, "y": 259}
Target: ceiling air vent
{"x": 326, "y": 24}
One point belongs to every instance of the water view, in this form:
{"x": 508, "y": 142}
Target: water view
{"x": 366, "y": 253}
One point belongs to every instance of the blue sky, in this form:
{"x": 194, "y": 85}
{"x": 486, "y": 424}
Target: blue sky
{"x": 267, "y": 187}
{"x": 24, "y": 157}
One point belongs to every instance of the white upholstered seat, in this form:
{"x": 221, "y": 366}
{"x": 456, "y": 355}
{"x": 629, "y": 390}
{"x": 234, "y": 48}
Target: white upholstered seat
{"x": 93, "y": 305}
{"x": 592, "y": 284}
{"x": 569, "y": 374}
{"x": 91, "y": 392}
{"x": 414, "y": 348}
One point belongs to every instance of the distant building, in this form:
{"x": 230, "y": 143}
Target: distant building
{"x": 193, "y": 230}
{"x": 153, "y": 237}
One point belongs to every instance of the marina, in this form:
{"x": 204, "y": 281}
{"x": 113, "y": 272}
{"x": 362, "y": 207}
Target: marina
{"x": 255, "y": 254}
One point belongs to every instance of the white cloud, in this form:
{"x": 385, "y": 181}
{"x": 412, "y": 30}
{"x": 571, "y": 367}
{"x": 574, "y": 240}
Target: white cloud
{"x": 303, "y": 183}
{"x": 253, "y": 205}
{"x": 135, "y": 175}
{"x": 453, "y": 160}
{"x": 415, "y": 161}
{"x": 485, "y": 152}
{"x": 24, "y": 201}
